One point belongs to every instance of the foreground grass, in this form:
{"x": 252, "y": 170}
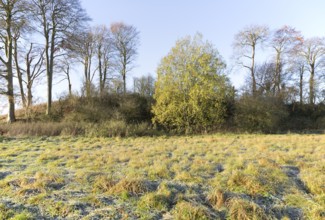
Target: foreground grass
{"x": 200, "y": 177}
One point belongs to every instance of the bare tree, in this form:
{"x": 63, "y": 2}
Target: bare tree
{"x": 144, "y": 85}
{"x": 104, "y": 53}
{"x": 34, "y": 61}
{"x": 126, "y": 42}
{"x": 11, "y": 14}
{"x": 28, "y": 58}
{"x": 245, "y": 45}
{"x": 264, "y": 75}
{"x": 312, "y": 51}
{"x": 297, "y": 67}
{"x": 81, "y": 45}
{"x": 283, "y": 41}
{"x": 58, "y": 18}
{"x": 65, "y": 66}
{"x": 21, "y": 28}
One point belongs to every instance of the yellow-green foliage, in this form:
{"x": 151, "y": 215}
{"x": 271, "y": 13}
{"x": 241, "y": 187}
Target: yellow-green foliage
{"x": 207, "y": 177}
{"x": 191, "y": 91}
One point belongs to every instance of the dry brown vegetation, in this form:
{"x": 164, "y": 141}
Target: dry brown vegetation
{"x": 188, "y": 177}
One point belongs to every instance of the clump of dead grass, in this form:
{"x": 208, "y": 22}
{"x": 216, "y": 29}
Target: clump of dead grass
{"x": 245, "y": 210}
{"x": 217, "y": 198}
{"x": 185, "y": 210}
{"x": 131, "y": 186}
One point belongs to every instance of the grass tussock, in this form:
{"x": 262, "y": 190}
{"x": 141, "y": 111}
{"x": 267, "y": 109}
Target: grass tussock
{"x": 217, "y": 198}
{"x": 257, "y": 180}
{"x": 245, "y": 210}
{"x": 103, "y": 184}
{"x": 156, "y": 201}
{"x": 190, "y": 211}
{"x": 130, "y": 186}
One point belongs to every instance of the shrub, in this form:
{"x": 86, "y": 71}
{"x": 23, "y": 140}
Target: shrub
{"x": 116, "y": 128}
{"x": 111, "y": 128}
{"x": 191, "y": 91}
{"x": 260, "y": 114}
{"x": 131, "y": 108}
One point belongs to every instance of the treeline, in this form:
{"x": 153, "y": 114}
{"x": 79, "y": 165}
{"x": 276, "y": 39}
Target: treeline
{"x": 284, "y": 90}
{"x": 48, "y": 38}
{"x": 192, "y": 92}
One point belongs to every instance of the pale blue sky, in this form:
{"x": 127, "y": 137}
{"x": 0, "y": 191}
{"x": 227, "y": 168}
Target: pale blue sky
{"x": 162, "y": 22}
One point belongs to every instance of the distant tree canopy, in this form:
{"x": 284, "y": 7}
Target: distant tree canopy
{"x": 191, "y": 91}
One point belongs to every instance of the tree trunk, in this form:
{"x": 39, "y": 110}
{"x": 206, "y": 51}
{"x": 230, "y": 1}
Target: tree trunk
{"x": 29, "y": 80}
{"x": 9, "y": 54}
{"x": 254, "y": 88}
{"x": 124, "y": 76}
{"x": 49, "y": 94}
{"x": 312, "y": 85}
{"x": 277, "y": 74}
{"x": 87, "y": 75}
{"x": 301, "y": 85}
{"x": 11, "y": 100}
{"x": 105, "y": 73}
{"x": 50, "y": 73}
{"x": 29, "y": 96}
{"x": 124, "y": 84}
{"x": 101, "y": 87}
{"x": 19, "y": 75}
{"x": 69, "y": 81}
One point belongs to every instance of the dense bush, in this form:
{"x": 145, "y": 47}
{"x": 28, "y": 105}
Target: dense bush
{"x": 260, "y": 114}
{"x": 129, "y": 115}
{"x": 105, "y": 116}
{"x": 131, "y": 108}
{"x": 305, "y": 117}
{"x": 111, "y": 128}
{"x": 191, "y": 91}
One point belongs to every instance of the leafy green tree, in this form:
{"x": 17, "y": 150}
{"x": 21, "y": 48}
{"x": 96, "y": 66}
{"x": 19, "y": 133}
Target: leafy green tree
{"x": 191, "y": 91}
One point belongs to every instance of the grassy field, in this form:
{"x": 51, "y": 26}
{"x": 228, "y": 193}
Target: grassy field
{"x": 199, "y": 177}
